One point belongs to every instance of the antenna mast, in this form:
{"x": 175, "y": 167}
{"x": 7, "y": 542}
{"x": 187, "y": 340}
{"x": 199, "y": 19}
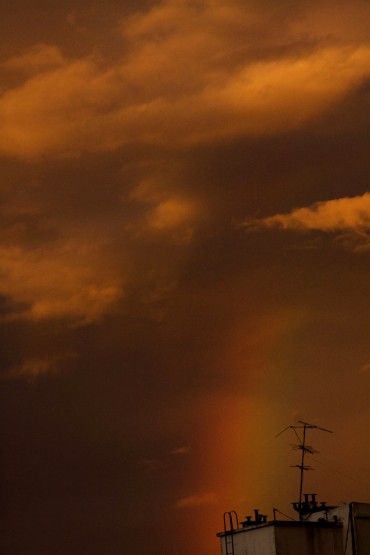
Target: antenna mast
{"x": 305, "y": 449}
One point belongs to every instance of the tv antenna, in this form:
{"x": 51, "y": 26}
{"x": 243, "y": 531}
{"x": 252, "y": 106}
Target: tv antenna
{"x": 302, "y": 446}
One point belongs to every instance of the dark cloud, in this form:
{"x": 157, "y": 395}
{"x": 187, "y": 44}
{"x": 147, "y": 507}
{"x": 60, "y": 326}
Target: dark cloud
{"x": 9, "y": 307}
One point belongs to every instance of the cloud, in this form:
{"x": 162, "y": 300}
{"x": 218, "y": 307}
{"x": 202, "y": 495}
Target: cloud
{"x": 170, "y": 214}
{"x": 348, "y": 214}
{"x": 66, "y": 281}
{"x": 184, "y": 450}
{"x": 196, "y": 500}
{"x": 37, "y": 58}
{"x": 188, "y": 76}
{"x": 9, "y": 307}
{"x": 33, "y": 368}
{"x": 166, "y": 212}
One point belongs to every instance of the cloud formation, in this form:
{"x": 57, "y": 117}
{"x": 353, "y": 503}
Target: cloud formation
{"x": 184, "y": 450}
{"x": 64, "y": 281}
{"x": 348, "y": 214}
{"x": 175, "y": 84}
{"x": 38, "y": 58}
{"x": 33, "y": 368}
{"x": 196, "y": 500}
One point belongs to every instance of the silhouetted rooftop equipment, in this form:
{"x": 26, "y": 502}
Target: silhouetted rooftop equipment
{"x": 303, "y": 507}
{"x": 310, "y": 505}
{"x": 258, "y": 519}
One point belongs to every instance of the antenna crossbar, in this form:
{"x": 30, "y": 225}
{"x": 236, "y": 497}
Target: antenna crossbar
{"x": 306, "y": 448}
{"x": 308, "y": 425}
{"x": 302, "y": 467}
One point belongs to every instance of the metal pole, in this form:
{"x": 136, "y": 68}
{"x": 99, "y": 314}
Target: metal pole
{"x": 302, "y": 470}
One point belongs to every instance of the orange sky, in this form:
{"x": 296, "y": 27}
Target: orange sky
{"x": 185, "y": 256}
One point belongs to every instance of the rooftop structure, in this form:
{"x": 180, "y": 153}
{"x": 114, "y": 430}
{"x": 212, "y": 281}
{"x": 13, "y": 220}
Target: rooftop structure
{"x": 321, "y": 530}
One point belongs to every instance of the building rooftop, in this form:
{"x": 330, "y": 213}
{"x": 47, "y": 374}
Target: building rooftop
{"x": 326, "y": 530}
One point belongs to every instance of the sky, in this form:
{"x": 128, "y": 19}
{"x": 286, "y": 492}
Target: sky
{"x": 185, "y": 257}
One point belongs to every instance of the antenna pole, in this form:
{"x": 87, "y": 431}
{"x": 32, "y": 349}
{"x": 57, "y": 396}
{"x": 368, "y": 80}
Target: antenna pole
{"x": 302, "y": 466}
{"x": 304, "y": 448}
